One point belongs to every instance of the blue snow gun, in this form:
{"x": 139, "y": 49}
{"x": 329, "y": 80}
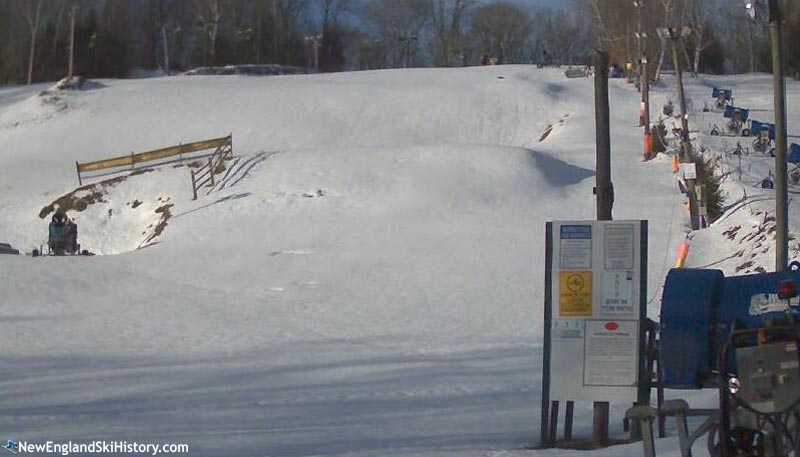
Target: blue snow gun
{"x": 701, "y": 307}
{"x": 756, "y": 127}
{"x": 730, "y": 110}
{"x": 727, "y": 94}
{"x": 794, "y": 154}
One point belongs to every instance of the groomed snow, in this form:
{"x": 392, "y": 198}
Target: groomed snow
{"x": 367, "y": 279}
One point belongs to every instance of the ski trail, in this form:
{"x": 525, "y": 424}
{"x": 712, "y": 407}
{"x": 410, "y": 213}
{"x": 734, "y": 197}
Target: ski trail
{"x": 239, "y": 170}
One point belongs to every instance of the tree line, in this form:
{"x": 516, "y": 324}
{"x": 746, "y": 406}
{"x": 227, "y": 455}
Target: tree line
{"x": 118, "y": 38}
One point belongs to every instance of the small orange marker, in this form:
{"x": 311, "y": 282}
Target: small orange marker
{"x": 683, "y": 252}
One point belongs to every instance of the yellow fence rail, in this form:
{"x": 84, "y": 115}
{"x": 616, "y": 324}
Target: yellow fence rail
{"x": 223, "y": 146}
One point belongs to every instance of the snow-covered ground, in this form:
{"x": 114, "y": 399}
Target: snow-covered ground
{"x": 366, "y": 280}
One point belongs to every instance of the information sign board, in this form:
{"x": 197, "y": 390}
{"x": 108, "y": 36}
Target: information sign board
{"x": 595, "y": 310}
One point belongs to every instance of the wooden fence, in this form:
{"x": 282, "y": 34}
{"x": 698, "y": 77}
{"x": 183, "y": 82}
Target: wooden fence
{"x": 221, "y": 146}
{"x": 205, "y": 174}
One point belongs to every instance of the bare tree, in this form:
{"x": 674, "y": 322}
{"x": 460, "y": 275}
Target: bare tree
{"x": 32, "y": 11}
{"x": 332, "y": 11}
{"x": 503, "y": 30}
{"x": 398, "y": 24}
{"x": 564, "y": 34}
{"x": 698, "y": 14}
{"x": 447, "y": 17}
{"x": 613, "y": 21}
{"x": 209, "y": 13}
{"x": 669, "y": 12}
{"x": 289, "y": 17}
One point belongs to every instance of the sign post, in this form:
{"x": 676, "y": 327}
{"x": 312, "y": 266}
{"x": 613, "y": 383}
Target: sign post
{"x": 594, "y": 316}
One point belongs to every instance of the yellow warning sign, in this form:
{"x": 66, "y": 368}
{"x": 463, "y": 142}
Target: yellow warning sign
{"x": 575, "y": 293}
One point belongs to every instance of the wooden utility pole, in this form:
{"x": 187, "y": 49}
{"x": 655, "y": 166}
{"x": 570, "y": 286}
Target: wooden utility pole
{"x": 781, "y": 190}
{"x": 604, "y": 189}
{"x": 605, "y": 200}
{"x": 686, "y": 146}
{"x": 73, "y": 12}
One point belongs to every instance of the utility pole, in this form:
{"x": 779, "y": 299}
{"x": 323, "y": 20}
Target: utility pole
{"x": 781, "y": 190}
{"x": 73, "y": 12}
{"x": 604, "y": 189}
{"x": 605, "y": 200}
{"x": 686, "y": 147}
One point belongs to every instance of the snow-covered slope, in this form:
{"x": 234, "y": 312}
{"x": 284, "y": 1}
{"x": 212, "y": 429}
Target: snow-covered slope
{"x": 367, "y": 279}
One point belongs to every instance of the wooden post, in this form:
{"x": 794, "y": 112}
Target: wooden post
{"x": 686, "y": 145}
{"x": 551, "y": 438}
{"x": 604, "y": 189}
{"x": 211, "y": 170}
{"x": 569, "y": 413}
{"x": 194, "y": 186}
{"x": 78, "y": 169}
{"x": 605, "y": 199}
{"x": 546, "y": 350}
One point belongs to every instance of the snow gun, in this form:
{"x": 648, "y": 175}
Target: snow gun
{"x": 794, "y": 153}
{"x": 757, "y": 127}
{"x": 740, "y": 336}
{"x": 731, "y": 111}
{"x": 726, "y": 94}
{"x": 722, "y": 96}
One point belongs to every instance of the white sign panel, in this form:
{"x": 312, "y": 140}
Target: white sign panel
{"x": 568, "y": 329}
{"x": 610, "y": 353}
{"x": 575, "y": 247}
{"x": 595, "y": 309}
{"x": 689, "y": 171}
{"x": 619, "y": 247}
{"x": 617, "y": 294}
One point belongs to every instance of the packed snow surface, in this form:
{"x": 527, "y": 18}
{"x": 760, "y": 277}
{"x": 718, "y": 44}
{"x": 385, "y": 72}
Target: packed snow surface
{"x": 365, "y": 278}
